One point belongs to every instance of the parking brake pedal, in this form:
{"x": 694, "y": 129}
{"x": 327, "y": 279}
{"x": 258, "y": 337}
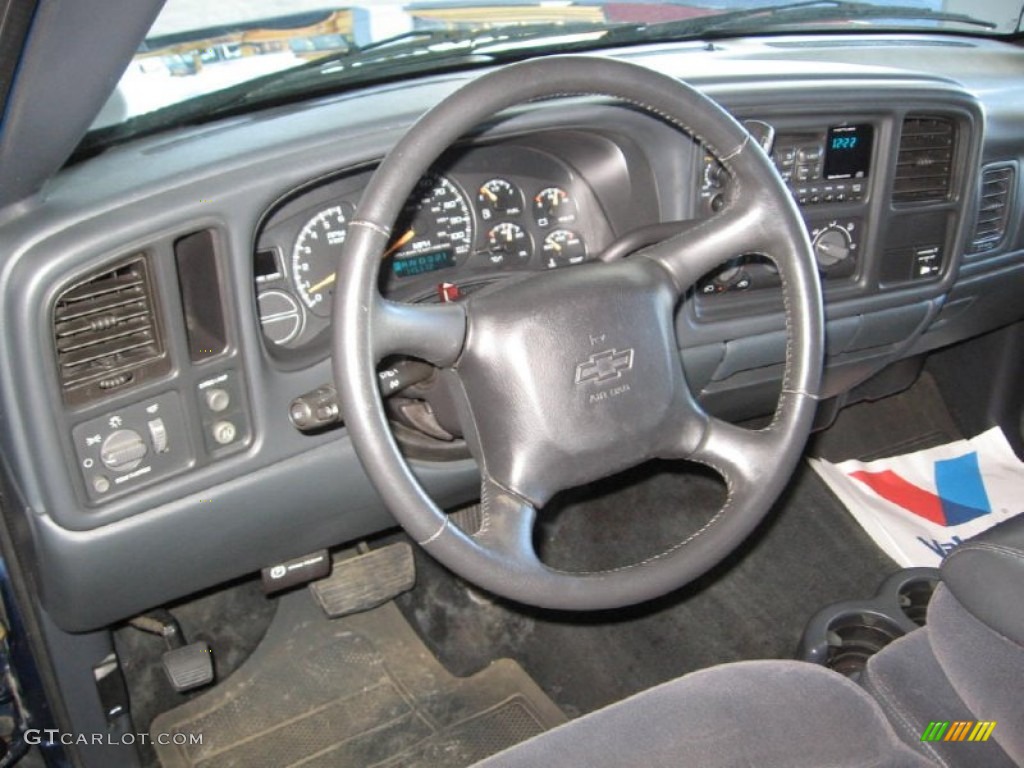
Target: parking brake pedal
{"x": 366, "y": 580}
{"x": 187, "y": 665}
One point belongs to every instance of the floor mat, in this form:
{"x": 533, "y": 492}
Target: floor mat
{"x": 915, "y": 419}
{"x": 232, "y": 619}
{"x": 359, "y": 691}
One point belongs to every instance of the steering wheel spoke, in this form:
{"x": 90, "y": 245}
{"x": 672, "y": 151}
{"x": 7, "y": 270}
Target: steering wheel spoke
{"x": 432, "y": 332}
{"x": 705, "y": 244}
{"x": 737, "y": 453}
{"x": 507, "y": 526}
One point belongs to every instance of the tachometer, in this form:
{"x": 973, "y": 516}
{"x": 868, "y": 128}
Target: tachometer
{"x": 315, "y": 257}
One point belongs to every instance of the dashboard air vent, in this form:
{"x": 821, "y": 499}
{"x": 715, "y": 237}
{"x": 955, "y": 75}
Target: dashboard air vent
{"x": 997, "y": 183}
{"x": 924, "y": 166}
{"x": 106, "y": 333}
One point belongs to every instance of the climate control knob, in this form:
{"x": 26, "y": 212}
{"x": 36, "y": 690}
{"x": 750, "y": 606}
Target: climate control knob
{"x": 832, "y": 245}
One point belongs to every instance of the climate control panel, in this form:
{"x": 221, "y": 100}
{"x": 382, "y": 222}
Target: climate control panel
{"x": 836, "y": 243}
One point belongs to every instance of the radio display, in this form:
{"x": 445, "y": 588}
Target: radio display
{"x": 421, "y": 263}
{"x": 848, "y": 151}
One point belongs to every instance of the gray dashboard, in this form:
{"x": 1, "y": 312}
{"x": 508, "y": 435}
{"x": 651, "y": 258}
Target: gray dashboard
{"x": 193, "y": 494}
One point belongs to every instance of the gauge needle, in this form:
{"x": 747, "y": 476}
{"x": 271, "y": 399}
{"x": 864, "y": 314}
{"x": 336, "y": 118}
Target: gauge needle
{"x": 409, "y": 235}
{"x": 329, "y": 280}
{"x": 488, "y": 193}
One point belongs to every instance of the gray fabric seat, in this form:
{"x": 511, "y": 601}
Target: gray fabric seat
{"x": 968, "y": 664}
{"x": 769, "y": 714}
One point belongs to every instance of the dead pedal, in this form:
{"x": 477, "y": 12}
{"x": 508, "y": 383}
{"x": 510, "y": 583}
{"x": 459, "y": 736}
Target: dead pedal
{"x": 367, "y": 580}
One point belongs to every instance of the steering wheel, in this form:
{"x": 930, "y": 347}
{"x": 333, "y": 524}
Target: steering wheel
{"x": 568, "y": 376}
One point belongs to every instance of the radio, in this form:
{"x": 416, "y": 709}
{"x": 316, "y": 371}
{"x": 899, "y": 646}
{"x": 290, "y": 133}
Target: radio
{"x": 818, "y": 166}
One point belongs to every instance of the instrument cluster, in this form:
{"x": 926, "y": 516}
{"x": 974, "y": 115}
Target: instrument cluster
{"x": 466, "y": 224}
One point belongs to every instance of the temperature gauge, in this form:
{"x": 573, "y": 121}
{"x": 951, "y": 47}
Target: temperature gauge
{"x": 562, "y": 248}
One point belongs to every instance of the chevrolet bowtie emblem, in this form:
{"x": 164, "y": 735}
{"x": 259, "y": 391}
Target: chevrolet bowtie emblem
{"x": 604, "y": 366}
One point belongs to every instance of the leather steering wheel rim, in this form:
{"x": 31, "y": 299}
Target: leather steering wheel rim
{"x": 515, "y": 376}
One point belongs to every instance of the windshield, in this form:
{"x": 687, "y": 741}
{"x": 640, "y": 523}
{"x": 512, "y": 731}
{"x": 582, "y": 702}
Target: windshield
{"x": 203, "y": 58}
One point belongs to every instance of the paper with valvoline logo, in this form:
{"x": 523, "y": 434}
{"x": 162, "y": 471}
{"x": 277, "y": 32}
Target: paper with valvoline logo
{"x": 918, "y": 507}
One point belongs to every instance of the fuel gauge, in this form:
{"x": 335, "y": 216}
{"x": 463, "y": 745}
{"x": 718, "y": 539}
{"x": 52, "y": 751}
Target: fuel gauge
{"x": 499, "y": 197}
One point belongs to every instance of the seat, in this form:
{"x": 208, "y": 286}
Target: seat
{"x": 967, "y": 664}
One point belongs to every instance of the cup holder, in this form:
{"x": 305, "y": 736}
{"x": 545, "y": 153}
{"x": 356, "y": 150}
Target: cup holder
{"x": 843, "y": 636}
{"x": 913, "y": 597}
{"x": 854, "y": 637}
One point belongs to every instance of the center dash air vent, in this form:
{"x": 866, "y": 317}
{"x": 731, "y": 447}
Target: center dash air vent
{"x": 924, "y": 167}
{"x": 106, "y": 333}
{"x": 997, "y": 183}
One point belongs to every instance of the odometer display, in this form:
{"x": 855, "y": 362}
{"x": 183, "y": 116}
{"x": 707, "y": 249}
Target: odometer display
{"x": 421, "y": 264}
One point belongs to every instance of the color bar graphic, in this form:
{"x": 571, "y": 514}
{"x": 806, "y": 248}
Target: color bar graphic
{"x": 935, "y": 731}
{"x": 958, "y": 730}
{"x": 982, "y": 731}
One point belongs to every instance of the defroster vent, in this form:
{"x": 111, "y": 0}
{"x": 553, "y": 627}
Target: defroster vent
{"x": 106, "y": 333}
{"x": 997, "y": 183}
{"x": 924, "y": 166}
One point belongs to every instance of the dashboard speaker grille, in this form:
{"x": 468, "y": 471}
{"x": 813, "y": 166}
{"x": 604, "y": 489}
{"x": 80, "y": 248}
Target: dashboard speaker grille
{"x": 924, "y": 166}
{"x": 106, "y": 333}
{"x": 997, "y": 184}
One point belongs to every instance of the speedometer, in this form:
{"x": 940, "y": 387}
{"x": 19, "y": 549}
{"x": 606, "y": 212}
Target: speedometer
{"x": 315, "y": 257}
{"x": 435, "y": 230}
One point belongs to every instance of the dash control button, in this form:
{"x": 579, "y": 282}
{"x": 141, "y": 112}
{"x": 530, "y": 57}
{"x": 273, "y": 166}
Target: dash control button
{"x": 224, "y": 432}
{"x": 217, "y": 399}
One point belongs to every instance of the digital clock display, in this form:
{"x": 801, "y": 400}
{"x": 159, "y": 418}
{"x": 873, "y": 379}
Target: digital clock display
{"x": 421, "y": 263}
{"x": 848, "y": 151}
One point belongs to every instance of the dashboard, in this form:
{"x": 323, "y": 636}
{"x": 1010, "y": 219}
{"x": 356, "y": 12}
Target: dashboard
{"x": 171, "y": 323}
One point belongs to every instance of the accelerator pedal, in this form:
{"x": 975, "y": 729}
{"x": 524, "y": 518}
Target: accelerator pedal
{"x": 366, "y": 580}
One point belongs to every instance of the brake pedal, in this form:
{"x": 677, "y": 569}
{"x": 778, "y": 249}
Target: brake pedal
{"x": 190, "y": 666}
{"x": 367, "y": 580}
{"x": 187, "y": 665}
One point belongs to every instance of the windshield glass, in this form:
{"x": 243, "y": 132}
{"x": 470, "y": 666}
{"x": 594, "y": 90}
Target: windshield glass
{"x": 212, "y": 56}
